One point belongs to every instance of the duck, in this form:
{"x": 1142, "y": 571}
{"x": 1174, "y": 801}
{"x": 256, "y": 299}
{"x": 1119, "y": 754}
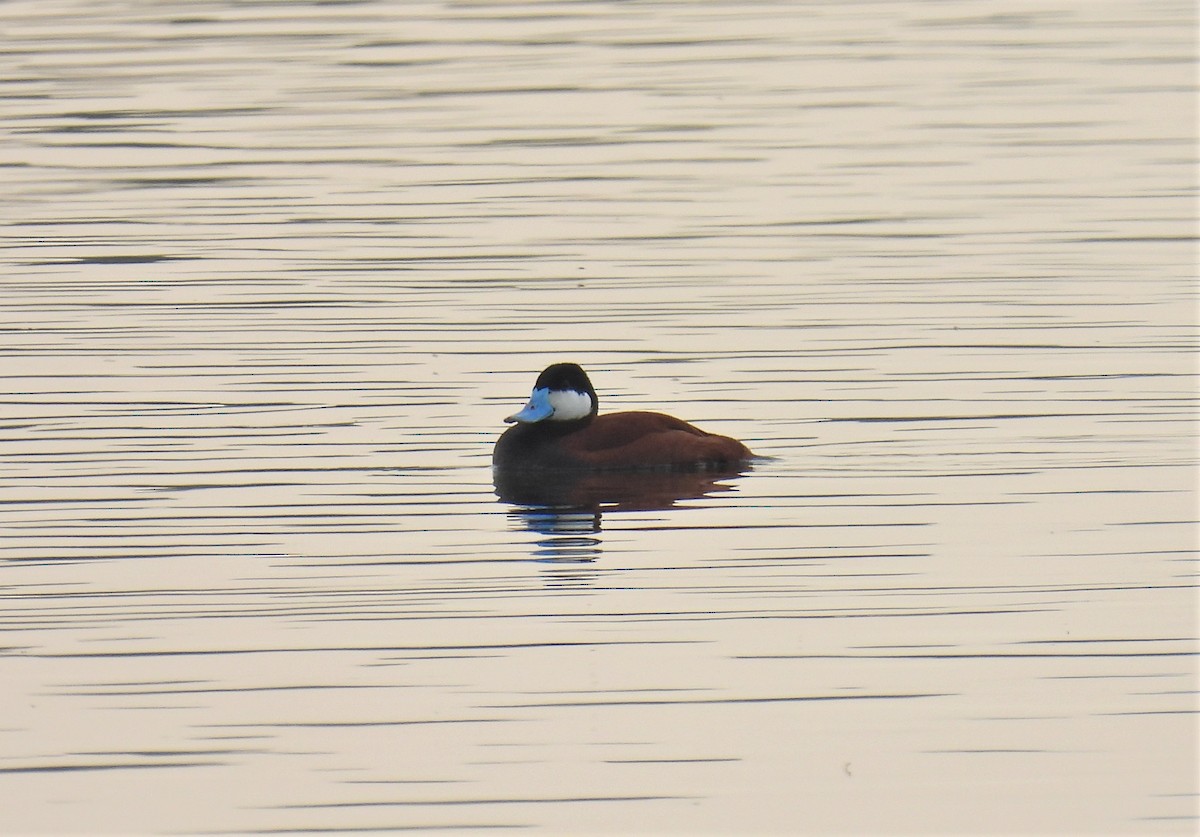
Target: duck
{"x": 561, "y": 428}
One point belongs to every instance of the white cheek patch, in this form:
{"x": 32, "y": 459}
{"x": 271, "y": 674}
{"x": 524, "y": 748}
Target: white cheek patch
{"x": 570, "y": 405}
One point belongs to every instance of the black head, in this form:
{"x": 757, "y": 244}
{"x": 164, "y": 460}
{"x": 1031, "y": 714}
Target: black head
{"x": 562, "y": 393}
{"x": 562, "y": 377}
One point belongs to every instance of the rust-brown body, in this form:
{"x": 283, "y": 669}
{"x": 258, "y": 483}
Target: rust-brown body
{"x": 616, "y": 441}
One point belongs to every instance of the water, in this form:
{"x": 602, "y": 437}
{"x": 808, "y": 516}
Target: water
{"x": 275, "y": 272}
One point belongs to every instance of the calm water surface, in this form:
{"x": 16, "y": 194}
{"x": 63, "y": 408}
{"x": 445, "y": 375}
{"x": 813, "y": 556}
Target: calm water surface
{"x": 275, "y": 272}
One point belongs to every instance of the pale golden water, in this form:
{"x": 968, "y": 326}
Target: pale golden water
{"x": 275, "y": 272}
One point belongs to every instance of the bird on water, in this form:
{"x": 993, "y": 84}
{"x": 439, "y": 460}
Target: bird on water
{"x": 561, "y": 428}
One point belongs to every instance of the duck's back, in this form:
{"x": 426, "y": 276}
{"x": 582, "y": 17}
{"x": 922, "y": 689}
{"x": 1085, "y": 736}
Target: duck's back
{"x": 628, "y": 440}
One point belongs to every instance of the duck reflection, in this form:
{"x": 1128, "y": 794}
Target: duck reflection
{"x": 567, "y": 506}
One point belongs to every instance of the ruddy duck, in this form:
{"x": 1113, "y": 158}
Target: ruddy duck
{"x": 560, "y": 429}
